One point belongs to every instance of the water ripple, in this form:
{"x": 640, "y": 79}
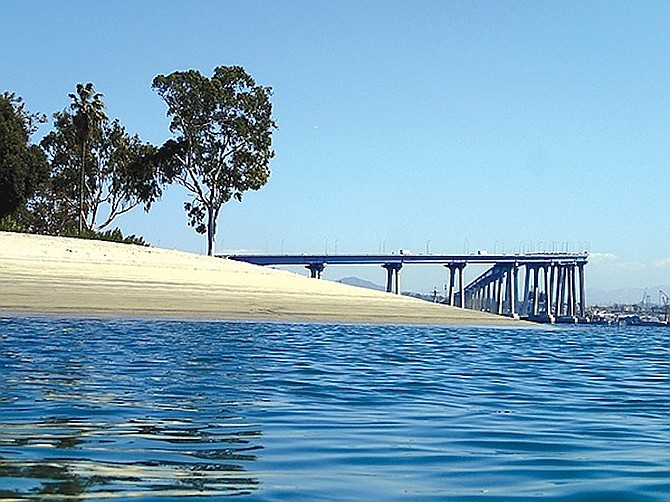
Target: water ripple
{"x": 123, "y": 409}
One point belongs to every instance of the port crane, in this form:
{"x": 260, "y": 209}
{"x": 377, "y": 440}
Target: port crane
{"x": 646, "y": 300}
{"x": 664, "y": 301}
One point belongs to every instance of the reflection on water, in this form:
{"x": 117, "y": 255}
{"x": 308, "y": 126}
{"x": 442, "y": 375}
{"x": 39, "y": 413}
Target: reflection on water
{"x": 87, "y": 411}
{"x": 100, "y": 409}
{"x": 104, "y": 460}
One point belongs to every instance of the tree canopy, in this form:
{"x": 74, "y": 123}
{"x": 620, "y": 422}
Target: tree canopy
{"x": 88, "y": 169}
{"x": 89, "y": 114}
{"x": 98, "y": 171}
{"x": 22, "y": 165}
{"x": 222, "y": 143}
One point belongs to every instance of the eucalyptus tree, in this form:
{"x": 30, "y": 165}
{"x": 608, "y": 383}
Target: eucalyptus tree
{"x": 22, "y": 164}
{"x": 222, "y": 143}
{"x": 89, "y": 114}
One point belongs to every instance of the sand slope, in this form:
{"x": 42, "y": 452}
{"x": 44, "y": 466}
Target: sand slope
{"x": 40, "y": 274}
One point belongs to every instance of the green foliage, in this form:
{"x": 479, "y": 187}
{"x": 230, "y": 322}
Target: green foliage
{"x": 89, "y": 113}
{"x": 11, "y": 224}
{"x": 223, "y": 136}
{"x": 87, "y": 171}
{"x": 114, "y": 235}
{"x": 99, "y": 172}
{"x": 22, "y": 165}
{"x": 88, "y": 110}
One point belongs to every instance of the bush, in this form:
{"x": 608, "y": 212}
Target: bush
{"x": 10, "y": 224}
{"x": 108, "y": 235}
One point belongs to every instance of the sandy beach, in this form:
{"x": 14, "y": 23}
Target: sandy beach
{"x": 57, "y": 275}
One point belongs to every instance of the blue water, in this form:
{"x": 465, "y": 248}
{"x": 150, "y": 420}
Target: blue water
{"x": 164, "y": 410}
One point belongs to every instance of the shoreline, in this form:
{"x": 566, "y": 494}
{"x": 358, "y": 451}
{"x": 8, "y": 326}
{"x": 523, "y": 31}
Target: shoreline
{"x": 73, "y": 316}
{"x": 43, "y": 275}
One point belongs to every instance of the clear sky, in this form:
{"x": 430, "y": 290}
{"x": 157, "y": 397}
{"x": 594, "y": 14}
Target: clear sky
{"x": 437, "y": 126}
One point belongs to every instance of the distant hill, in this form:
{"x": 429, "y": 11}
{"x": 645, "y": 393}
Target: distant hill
{"x": 361, "y": 283}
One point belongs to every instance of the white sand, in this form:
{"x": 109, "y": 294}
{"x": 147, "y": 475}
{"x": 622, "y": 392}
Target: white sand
{"x": 56, "y": 275}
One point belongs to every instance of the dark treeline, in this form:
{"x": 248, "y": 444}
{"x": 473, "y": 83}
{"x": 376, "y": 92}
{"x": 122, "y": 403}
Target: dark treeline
{"x": 88, "y": 170}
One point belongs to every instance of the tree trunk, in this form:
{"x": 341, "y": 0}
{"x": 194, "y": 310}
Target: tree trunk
{"x": 80, "y": 223}
{"x": 211, "y": 230}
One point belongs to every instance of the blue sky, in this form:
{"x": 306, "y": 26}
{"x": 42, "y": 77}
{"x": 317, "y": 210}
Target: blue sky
{"x": 440, "y": 126}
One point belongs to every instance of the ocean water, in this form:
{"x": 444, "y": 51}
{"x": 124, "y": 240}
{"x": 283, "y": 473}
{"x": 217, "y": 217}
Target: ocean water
{"x": 170, "y": 410}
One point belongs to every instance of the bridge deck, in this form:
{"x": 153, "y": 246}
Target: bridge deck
{"x": 383, "y": 259}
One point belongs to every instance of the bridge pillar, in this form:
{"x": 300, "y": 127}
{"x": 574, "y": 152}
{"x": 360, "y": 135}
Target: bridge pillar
{"x": 453, "y": 269}
{"x": 548, "y": 317}
{"x": 492, "y": 294}
{"x": 553, "y": 292}
{"x": 461, "y": 285}
{"x": 392, "y": 277}
{"x": 499, "y": 294}
{"x": 450, "y": 294}
{"x": 526, "y": 291}
{"x": 566, "y": 292}
{"x": 573, "y": 295}
{"x": 536, "y": 291}
{"x": 315, "y": 270}
{"x": 582, "y": 292}
{"x": 516, "y": 290}
{"x": 538, "y": 279}
{"x": 511, "y": 289}
{"x": 559, "y": 290}
{"x": 547, "y": 288}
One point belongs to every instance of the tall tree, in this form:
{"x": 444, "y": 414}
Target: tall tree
{"x": 22, "y": 164}
{"x": 119, "y": 173}
{"x": 223, "y": 139}
{"x": 89, "y": 114}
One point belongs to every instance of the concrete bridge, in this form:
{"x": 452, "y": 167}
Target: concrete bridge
{"x": 554, "y": 283}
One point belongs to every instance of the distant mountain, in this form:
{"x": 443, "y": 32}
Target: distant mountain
{"x": 360, "y": 283}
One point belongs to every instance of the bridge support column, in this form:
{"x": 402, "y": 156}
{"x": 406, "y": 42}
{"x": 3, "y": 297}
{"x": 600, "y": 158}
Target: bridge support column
{"x": 566, "y": 304}
{"x": 502, "y": 293}
{"x": 536, "y": 291}
{"x": 476, "y": 300}
{"x": 553, "y": 292}
{"x": 560, "y": 277}
{"x": 488, "y": 292}
{"x": 547, "y": 289}
{"x": 511, "y": 290}
{"x": 582, "y": 292}
{"x": 571, "y": 291}
{"x": 548, "y": 317}
{"x": 453, "y": 269}
{"x": 392, "y": 277}
{"x": 461, "y": 285}
{"x": 526, "y": 291}
{"x": 450, "y": 294}
{"x": 315, "y": 270}
{"x": 538, "y": 277}
{"x": 573, "y": 295}
{"x": 516, "y": 290}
